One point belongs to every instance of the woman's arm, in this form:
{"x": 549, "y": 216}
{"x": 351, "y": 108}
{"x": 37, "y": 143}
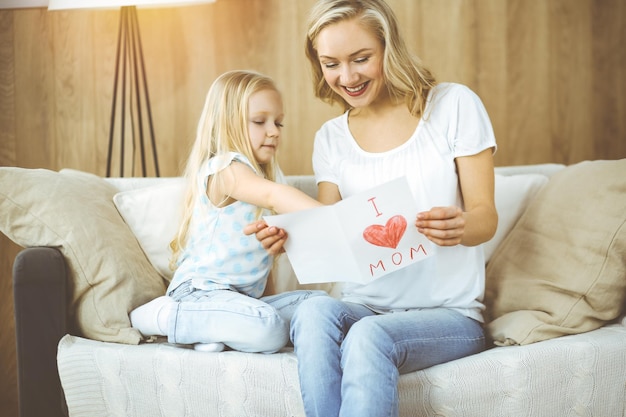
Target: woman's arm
{"x": 449, "y": 226}
{"x": 328, "y": 193}
{"x": 270, "y": 288}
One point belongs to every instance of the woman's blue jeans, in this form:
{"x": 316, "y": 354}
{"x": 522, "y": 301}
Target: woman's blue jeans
{"x": 350, "y": 358}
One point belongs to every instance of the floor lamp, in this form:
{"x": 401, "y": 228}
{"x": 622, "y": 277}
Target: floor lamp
{"x": 130, "y": 86}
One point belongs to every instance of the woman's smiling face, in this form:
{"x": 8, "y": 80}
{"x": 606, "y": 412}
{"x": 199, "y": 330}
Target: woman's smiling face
{"x": 351, "y": 58}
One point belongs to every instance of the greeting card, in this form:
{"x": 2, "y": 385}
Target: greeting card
{"x": 358, "y": 239}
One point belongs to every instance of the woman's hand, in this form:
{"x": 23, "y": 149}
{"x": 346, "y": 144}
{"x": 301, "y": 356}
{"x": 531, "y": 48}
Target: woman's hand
{"x": 272, "y": 238}
{"x": 449, "y": 226}
{"x": 444, "y": 226}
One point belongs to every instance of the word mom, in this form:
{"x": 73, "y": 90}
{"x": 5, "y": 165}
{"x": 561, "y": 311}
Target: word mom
{"x": 397, "y": 259}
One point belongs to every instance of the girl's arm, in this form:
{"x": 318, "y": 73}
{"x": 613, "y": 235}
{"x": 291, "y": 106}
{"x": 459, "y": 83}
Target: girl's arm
{"x": 449, "y": 226}
{"x": 273, "y": 238}
{"x": 240, "y": 183}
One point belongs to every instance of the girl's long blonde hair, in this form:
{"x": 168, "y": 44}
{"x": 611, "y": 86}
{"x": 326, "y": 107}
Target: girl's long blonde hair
{"x": 223, "y": 128}
{"x": 406, "y": 77}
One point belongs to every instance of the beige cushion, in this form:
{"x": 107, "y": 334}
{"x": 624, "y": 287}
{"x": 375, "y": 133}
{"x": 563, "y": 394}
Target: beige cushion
{"x": 512, "y": 195}
{"x": 74, "y": 211}
{"x": 562, "y": 268}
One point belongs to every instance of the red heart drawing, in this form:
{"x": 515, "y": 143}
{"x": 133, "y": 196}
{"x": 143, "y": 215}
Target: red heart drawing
{"x": 388, "y": 235}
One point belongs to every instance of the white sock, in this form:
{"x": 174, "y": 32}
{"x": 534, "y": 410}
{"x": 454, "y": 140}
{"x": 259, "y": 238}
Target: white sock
{"x": 209, "y": 347}
{"x": 151, "y": 318}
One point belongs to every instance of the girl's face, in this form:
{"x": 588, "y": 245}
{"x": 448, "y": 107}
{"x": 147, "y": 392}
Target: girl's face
{"x": 265, "y": 119}
{"x": 351, "y": 58}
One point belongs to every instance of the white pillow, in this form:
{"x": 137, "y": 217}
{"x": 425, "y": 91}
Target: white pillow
{"x": 153, "y": 214}
{"x": 512, "y": 195}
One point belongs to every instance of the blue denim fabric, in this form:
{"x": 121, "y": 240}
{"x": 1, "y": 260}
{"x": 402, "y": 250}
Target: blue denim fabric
{"x": 240, "y": 322}
{"x": 350, "y": 358}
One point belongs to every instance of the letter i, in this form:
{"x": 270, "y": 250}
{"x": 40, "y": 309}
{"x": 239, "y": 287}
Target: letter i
{"x": 378, "y": 213}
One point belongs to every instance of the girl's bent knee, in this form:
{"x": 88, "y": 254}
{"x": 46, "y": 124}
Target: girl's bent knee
{"x": 268, "y": 336}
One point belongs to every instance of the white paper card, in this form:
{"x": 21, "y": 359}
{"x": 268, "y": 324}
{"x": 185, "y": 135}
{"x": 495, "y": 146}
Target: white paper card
{"x": 358, "y": 239}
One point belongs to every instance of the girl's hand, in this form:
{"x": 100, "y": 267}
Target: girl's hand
{"x": 271, "y": 238}
{"x": 444, "y": 226}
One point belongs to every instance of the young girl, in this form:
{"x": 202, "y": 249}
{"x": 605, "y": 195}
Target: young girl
{"x": 398, "y": 122}
{"x": 215, "y": 296}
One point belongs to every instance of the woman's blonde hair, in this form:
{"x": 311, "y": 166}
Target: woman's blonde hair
{"x": 223, "y": 128}
{"x": 406, "y": 77}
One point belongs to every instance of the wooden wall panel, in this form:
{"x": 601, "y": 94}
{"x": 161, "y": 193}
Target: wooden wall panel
{"x": 552, "y": 75}
{"x": 447, "y": 36}
{"x": 491, "y": 58}
{"x": 8, "y": 366}
{"x": 96, "y": 112}
{"x": 181, "y": 59}
{"x": 528, "y": 86}
{"x": 541, "y": 68}
{"x": 608, "y": 110}
{"x": 36, "y": 138}
{"x": 570, "y": 76}
{"x": 7, "y": 92}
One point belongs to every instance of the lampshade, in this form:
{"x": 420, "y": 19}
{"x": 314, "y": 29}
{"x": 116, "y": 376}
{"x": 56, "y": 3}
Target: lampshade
{"x": 100, "y": 4}
{"x": 22, "y": 4}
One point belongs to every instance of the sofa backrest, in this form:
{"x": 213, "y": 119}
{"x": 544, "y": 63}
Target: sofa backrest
{"x": 145, "y": 203}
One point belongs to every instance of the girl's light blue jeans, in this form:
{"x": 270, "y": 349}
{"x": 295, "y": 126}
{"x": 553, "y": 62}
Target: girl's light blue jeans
{"x": 241, "y": 322}
{"x": 350, "y": 358}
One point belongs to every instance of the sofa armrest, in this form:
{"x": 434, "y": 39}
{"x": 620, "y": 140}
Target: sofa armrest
{"x": 39, "y": 294}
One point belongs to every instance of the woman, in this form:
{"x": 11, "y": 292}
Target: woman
{"x": 398, "y": 122}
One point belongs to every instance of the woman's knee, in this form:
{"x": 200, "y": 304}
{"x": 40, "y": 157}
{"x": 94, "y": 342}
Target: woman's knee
{"x": 368, "y": 337}
{"x": 287, "y": 303}
{"x": 325, "y": 318}
{"x": 314, "y": 316}
{"x": 314, "y": 309}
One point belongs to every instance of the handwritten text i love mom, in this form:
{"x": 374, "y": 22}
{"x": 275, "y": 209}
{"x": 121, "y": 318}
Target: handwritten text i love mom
{"x": 358, "y": 239}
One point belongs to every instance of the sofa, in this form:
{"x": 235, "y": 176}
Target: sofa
{"x": 95, "y": 248}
